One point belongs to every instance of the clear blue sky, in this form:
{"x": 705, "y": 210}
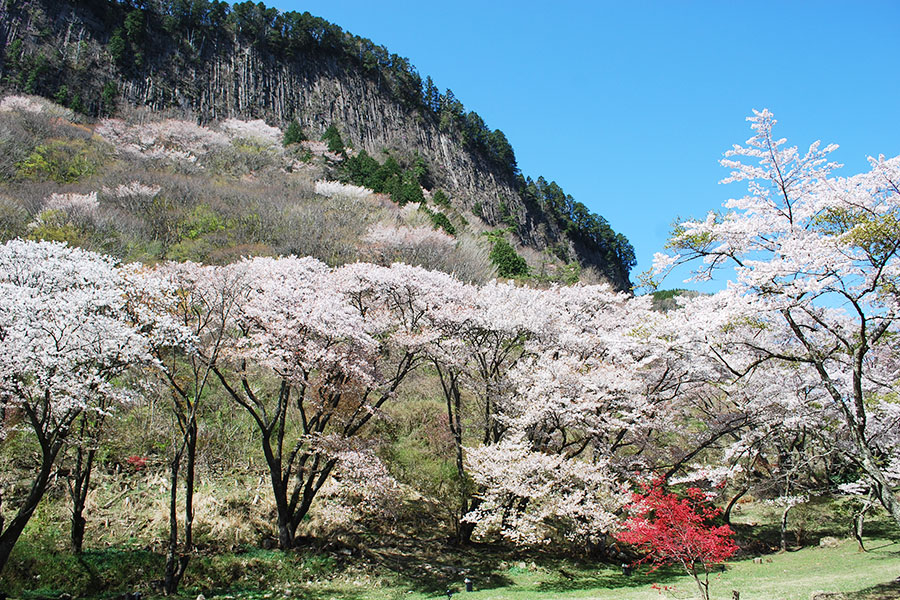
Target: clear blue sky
{"x": 630, "y": 105}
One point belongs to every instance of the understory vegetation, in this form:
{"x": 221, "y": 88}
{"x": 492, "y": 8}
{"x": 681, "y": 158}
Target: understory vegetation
{"x": 417, "y": 563}
{"x": 173, "y": 190}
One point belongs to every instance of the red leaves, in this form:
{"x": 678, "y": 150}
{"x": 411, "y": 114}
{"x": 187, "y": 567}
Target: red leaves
{"x": 671, "y": 530}
{"x": 137, "y": 462}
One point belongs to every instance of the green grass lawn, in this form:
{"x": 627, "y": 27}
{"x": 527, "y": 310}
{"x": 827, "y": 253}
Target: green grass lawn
{"x": 403, "y": 567}
{"x": 788, "y": 576}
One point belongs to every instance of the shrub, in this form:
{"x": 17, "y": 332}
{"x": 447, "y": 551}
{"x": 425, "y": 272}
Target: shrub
{"x": 439, "y": 219}
{"x": 507, "y": 261}
{"x": 54, "y": 226}
{"x": 333, "y": 138}
{"x": 440, "y": 198}
{"x": 337, "y": 189}
{"x": 673, "y": 530}
{"x": 63, "y": 161}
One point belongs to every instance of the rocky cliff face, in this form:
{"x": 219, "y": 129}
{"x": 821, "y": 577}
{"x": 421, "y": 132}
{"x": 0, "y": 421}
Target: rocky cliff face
{"x": 224, "y": 77}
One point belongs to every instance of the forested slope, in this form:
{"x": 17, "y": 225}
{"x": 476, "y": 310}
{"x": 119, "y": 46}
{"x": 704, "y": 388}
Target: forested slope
{"x": 208, "y": 61}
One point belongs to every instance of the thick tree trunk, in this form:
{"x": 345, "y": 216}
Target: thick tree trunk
{"x": 16, "y": 526}
{"x": 84, "y": 464}
{"x": 732, "y": 503}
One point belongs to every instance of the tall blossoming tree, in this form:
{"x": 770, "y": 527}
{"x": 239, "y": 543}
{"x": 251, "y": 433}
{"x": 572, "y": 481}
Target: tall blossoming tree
{"x": 316, "y": 354}
{"x": 64, "y": 337}
{"x": 816, "y": 263}
{"x": 185, "y": 309}
{"x": 480, "y": 334}
{"x": 589, "y": 385}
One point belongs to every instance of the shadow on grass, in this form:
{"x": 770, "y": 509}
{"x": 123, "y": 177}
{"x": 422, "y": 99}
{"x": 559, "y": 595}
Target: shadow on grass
{"x": 35, "y": 572}
{"x": 299, "y": 593}
{"x": 432, "y": 567}
{"x": 882, "y": 591}
{"x": 608, "y": 577}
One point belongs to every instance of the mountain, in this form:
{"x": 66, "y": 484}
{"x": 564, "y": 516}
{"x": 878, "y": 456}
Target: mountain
{"x": 210, "y": 61}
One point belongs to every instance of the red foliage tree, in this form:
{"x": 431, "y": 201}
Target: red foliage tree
{"x": 671, "y": 530}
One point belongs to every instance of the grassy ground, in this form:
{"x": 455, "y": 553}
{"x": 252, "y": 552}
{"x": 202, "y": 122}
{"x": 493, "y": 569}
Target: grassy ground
{"x": 402, "y": 566}
{"x": 393, "y": 574}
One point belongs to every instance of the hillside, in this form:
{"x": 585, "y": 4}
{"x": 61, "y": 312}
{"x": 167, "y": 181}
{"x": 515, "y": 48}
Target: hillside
{"x": 208, "y": 62}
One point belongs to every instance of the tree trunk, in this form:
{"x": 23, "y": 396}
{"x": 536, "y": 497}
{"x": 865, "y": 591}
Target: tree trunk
{"x": 170, "y": 585}
{"x": 732, "y": 503}
{"x": 784, "y": 524}
{"x": 14, "y": 529}
{"x": 463, "y": 530}
{"x": 882, "y": 488}
{"x": 79, "y": 490}
{"x": 177, "y": 559}
{"x": 702, "y": 586}
{"x": 858, "y": 520}
{"x": 452, "y": 395}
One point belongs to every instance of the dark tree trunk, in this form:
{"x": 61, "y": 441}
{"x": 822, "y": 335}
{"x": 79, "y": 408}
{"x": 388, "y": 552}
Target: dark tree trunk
{"x": 179, "y": 555}
{"x": 784, "y": 526}
{"x": 80, "y": 481}
{"x": 453, "y": 396}
{"x": 16, "y": 526}
{"x": 83, "y": 466}
{"x": 732, "y": 503}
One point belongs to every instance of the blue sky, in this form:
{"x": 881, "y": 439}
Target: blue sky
{"x": 630, "y": 105}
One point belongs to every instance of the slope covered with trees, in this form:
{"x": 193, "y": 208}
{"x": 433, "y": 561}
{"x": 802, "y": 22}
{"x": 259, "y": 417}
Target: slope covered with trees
{"x": 215, "y": 61}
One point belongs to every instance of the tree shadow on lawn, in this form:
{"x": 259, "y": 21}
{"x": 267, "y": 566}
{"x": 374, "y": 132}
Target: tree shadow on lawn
{"x": 882, "y": 591}
{"x": 765, "y": 538}
{"x": 300, "y": 593}
{"x": 604, "y": 576}
{"x": 432, "y": 566}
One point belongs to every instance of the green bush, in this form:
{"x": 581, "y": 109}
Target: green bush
{"x": 439, "y": 220}
{"x": 440, "y": 198}
{"x": 62, "y": 161}
{"x": 55, "y": 226}
{"x": 293, "y": 134}
{"x": 507, "y": 261}
{"x": 333, "y": 138}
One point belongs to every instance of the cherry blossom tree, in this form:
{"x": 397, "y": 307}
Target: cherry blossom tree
{"x": 578, "y": 394}
{"x": 480, "y": 335}
{"x": 64, "y": 336}
{"x": 318, "y": 353}
{"x": 532, "y": 497}
{"x": 185, "y": 310}
{"x": 816, "y": 263}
